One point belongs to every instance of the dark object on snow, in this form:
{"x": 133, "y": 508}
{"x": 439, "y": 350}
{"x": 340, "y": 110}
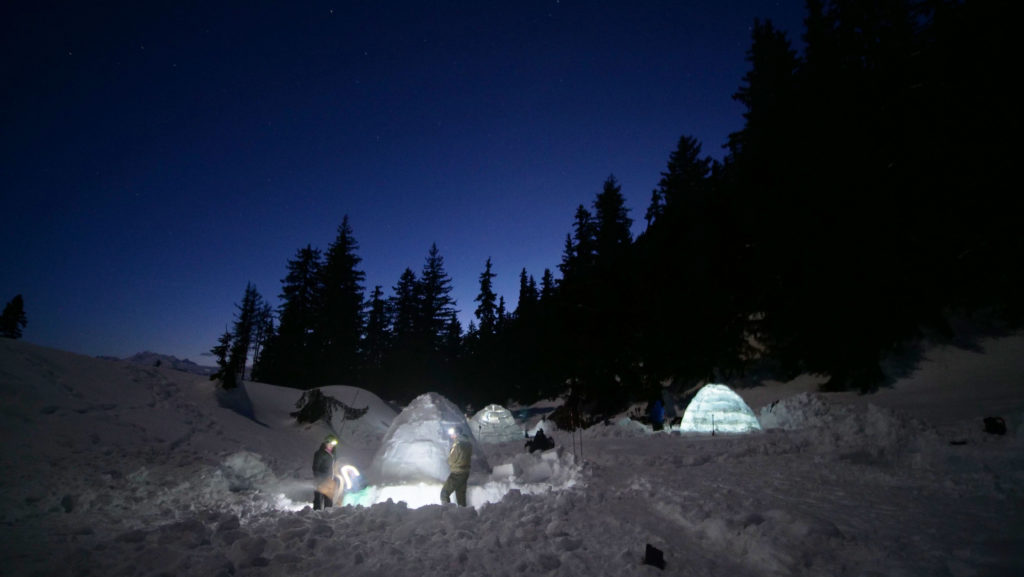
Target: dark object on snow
{"x": 995, "y": 425}
{"x": 237, "y": 399}
{"x": 540, "y": 442}
{"x": 654, "y": 556}
{"x": 656, "y": 411}
{"x": 958, "y": 442}
{"x": 313, "y": 406}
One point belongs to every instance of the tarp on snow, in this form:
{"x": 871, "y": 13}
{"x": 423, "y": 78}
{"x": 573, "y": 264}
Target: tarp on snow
{"x": 718, "y": 409}
{"x": 495, "y": 424}
{"x": 415, "y": 448}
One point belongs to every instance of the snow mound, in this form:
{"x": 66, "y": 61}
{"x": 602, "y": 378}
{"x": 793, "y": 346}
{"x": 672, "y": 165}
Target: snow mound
{"x": 796, "y": 412}
{"x": 370, "y": 428}
{"x": 866, "y": 434}
{"x": 415, "y": 447}
{"x": 623, "y": 427}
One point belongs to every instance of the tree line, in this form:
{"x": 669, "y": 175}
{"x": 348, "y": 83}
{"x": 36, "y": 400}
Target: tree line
{"x": 858, "y": 210}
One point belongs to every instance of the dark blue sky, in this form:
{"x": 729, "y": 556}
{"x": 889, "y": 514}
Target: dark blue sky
{"x": 157, "y": 156}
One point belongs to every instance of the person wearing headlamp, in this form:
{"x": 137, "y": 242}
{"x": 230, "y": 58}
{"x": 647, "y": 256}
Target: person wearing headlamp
{"x": 323, "y": 474}
{"x": 459, "y": 457}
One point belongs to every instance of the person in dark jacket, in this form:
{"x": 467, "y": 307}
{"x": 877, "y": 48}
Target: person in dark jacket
{"x": 540, "y": 442}
{"x": 459, "y": 458}
{"x": 323, "y": 474}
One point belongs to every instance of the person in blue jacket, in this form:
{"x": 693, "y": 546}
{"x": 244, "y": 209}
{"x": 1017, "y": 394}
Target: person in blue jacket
{"x": 657, "y": 415}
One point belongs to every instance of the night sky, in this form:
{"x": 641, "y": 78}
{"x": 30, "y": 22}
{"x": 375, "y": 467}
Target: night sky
{"x": 157, "y": 156}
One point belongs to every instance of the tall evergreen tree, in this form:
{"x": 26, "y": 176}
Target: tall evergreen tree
{"x": 611, "y": 233}
{"x": 487, "y": 309}
{"x": 377, "y": 339}
{"x": 528, "y": 295}
{"x": 340, "y": 322}
{"x": 584, "y": 242}
{"x": 245, "y": 329}
{"x": 263, "y": 331}
{"x": 404, "y": 362}
{"x": 226, "y": 373}
{"x": 292, "y": 356}
{"x": 436, "y": 303}
{"x": 404, "y": 306}
{"x": 680, "y": 262}
{"x": 13, "y": 318}
{"x": 686, "y": 174}
{"x": 547, "y": 285}
{"x": 502, "y": 314}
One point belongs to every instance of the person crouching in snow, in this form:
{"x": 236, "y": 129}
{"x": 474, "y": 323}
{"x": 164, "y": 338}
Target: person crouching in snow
{"x": 323, "y": 474}
{"x": 459, "y": 457}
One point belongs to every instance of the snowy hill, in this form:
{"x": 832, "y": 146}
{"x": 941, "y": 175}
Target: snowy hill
{"x": 117, "y": 468}
{"x": 158, "y": 360}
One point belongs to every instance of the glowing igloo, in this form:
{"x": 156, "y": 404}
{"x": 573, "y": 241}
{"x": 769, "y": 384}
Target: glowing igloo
{"x": 495, "y": 424}
{"x": 718, "y": 409}
{"x": 415, "y": 448}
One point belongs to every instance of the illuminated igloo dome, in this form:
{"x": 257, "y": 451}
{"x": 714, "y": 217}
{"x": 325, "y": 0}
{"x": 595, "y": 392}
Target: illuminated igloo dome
{"x": 495, "y": 424}
{"x": 718, "y": 409}
{"x": 415, "y": 448}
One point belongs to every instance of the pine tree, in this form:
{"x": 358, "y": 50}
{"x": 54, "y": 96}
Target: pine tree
{"x": 686, "y": 174}
{"x": 13, "y": 318}
{"x": 655, "y": 209}
{"x": 584, "y": 242}
{"x": 528, "y": 294}
{"x": 502, "y": 315}
{"x": 436, "y": 303}
{"x": 611, "y": 232}
{"x": 404, "y": 306}
{"x": 226, "y": 372}
{"x": 291, "y": 357}
{"x": 246, "y": 327}
{"x": 376, "y": 343}
{"x": 341, "y": 319}
{"x": 487, "y": 311}
{"x": 568, "y": 264}
{"x": 547, "y": 285}
{"x": 263, "y": 331}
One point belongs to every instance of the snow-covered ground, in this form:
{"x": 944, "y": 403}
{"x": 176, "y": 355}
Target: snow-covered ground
{"x": 112, "y": 468}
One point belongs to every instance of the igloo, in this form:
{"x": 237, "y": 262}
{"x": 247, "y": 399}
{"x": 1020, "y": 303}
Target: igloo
{"x": 495, "y": 424}
{"x": 718, "y": 409}
{"x": 415, "y": 448}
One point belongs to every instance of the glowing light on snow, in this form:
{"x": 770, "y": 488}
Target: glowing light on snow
{"x": 529, "y": 474}
{"x": 283, "y": 503}
{"x": 348, "y": 472}
{"x": 717, "y": 409}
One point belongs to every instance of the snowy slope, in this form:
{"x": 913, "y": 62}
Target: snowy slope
{"x": 119, "y": 469}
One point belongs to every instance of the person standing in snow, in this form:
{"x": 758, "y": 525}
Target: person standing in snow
{"x": 459, "y": 457}
{"x": 657, "y": 415}
{"x": 540, "y": 442}
{"x": 323, "y": 473}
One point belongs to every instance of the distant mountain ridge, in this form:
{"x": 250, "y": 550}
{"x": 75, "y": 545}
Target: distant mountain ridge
{"x": 152, "y": 359}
